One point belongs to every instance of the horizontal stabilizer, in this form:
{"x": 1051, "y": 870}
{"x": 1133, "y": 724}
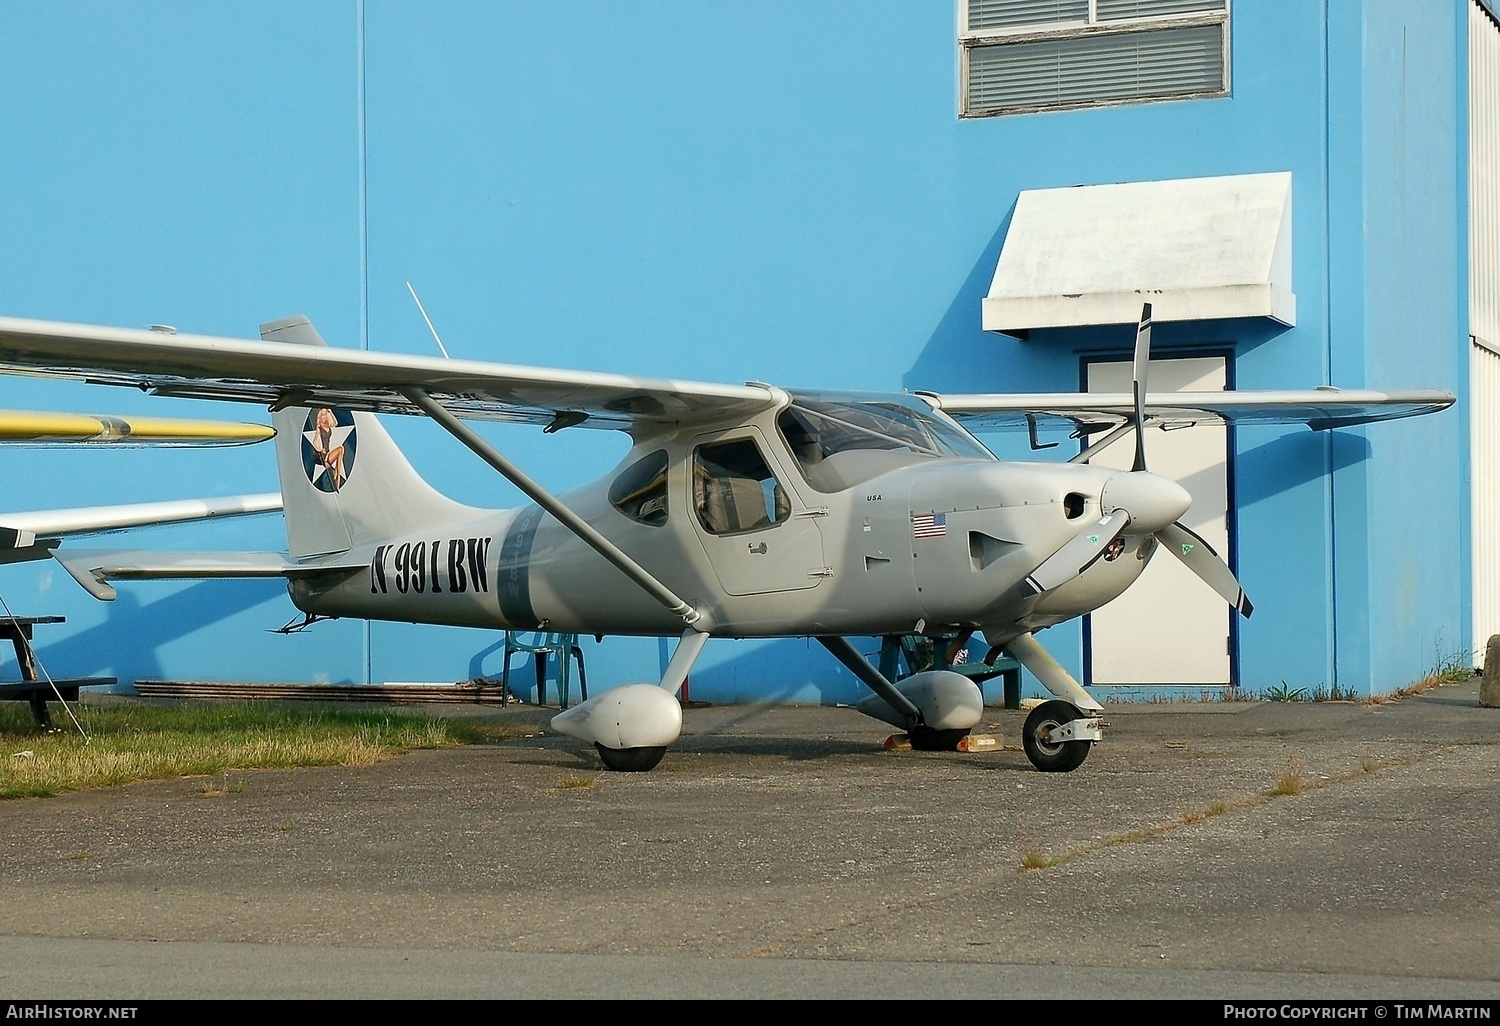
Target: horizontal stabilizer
{"x": 95, "y": 568}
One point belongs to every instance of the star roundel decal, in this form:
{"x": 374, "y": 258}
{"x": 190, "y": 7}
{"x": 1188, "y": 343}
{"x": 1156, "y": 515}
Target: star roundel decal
{"x": 328, "y": 442}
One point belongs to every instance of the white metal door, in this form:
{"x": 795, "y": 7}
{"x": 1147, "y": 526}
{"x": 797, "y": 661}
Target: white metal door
{"x": 1169, "y": 627}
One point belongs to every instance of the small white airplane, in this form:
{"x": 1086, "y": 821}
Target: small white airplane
{"x": 741, "y": 511}
{"x": 32, "y": 535}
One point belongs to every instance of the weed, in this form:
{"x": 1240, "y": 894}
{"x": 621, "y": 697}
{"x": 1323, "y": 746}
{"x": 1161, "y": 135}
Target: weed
{"x": 1450, "y": 668}
{"x": 577, "y": 783}
{"x": 1284, "y": 692}
{"x": 1292, "y": 779}
{"x": 213, "y": 790}
{"x": 1333, "y": 693}
{"x": 1031, "y": 858}
{"x": 1454, "y": 668}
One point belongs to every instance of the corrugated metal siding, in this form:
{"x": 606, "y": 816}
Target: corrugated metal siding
{"x": 1484, "y": 451}
{"x": 1484, "y": 176}
{"x": 1484, "y": 318}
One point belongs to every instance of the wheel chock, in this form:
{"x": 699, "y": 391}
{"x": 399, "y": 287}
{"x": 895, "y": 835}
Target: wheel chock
{"x": 979, "y": 743}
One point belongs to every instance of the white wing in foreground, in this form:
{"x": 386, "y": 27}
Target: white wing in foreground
{"x": 202, "y": 366}
{"x": 30, "y": 535}
{"x": 96, "y": 519}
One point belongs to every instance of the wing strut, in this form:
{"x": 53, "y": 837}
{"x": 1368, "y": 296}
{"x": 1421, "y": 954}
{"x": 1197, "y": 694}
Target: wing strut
{"x": 872, "y": 678}
{"x": 565, "y": 516}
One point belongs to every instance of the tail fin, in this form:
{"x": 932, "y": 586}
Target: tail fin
{"x": 343, "y": 480}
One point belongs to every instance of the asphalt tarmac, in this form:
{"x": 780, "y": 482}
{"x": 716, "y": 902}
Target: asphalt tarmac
{"x": 1223, "y": 850}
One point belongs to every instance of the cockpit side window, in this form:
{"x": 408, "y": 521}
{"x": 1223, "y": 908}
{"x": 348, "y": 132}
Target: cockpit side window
{"x": 734, "y": 489}
{"x": 640, "y": 492}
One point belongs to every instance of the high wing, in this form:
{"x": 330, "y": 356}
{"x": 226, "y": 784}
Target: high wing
{"x": 1319, "y": 408}
{"x": 97, "y": 519}
{"x": 271, "y": 373}
{"x": 32, "y": 535}
{"x": 27, "y": 427}
{"x": 277, "y": 374}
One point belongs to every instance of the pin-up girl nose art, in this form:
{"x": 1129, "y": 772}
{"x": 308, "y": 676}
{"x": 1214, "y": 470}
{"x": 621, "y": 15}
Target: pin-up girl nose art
{"x": 328, "y": 448}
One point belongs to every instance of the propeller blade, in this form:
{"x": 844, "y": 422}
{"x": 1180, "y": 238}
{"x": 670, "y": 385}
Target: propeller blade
{"x": 1076, "y": 554}
{"x": 1142, "y": 359}
{"x": 1201, "y": 559}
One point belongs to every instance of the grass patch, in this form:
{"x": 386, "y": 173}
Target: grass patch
{"x": 132, "y": 741}
{"x": 1031, "y": 858}
{"x": 213, "y": 789}
{"x": 1452, "y": 667}
{"x": 577, "y": 783}
{"x": 1293, "y": 779}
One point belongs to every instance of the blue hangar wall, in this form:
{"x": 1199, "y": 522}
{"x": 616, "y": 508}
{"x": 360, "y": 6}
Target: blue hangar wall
{"x": 770, "y": 191}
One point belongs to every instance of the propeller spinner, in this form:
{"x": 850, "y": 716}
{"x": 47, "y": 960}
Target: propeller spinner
{"x": 1143, "y": 499}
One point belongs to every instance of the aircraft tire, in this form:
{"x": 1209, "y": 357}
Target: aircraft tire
{"x": 631, "y": 760}
{"x": 925, "y": 739}
{"x": 1049, "y": 757}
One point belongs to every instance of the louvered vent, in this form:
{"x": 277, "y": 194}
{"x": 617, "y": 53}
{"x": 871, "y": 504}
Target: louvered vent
{"x": 1022, "y": 55}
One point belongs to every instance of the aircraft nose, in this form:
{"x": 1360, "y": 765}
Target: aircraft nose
{"x": 1152, "y": 501}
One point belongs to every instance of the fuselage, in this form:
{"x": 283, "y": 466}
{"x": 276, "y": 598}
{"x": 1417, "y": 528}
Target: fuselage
{"x": 842, "y": 515}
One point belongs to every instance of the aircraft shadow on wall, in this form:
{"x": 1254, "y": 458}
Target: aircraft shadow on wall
{"x": 741, "y": 511}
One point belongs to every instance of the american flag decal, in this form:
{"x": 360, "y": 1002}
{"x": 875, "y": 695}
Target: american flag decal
{"x": 929, "y": 525}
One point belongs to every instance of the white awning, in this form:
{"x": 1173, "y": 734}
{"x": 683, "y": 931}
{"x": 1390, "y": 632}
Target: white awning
{"x": 1196, "y": 248}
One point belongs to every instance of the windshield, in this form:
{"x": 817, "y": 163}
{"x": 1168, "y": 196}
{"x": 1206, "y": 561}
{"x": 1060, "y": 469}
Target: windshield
{"x": 839, "y": 444}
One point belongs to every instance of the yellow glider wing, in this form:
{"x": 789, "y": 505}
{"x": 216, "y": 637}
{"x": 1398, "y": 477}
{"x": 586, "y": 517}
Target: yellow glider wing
{"x": 25, "y": 427}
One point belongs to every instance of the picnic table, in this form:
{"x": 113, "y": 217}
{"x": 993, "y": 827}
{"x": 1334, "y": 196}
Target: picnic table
{"x": 31, "y": 688}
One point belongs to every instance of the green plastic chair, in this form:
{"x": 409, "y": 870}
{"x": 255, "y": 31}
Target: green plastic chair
{"x": 542, "y": 646}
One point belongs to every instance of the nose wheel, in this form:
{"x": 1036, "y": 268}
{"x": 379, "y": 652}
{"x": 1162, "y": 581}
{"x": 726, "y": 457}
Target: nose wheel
{"x": 1057, "y": 737}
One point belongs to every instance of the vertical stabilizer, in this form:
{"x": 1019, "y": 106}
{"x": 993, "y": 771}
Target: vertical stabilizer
{"x": 343, "y": 480}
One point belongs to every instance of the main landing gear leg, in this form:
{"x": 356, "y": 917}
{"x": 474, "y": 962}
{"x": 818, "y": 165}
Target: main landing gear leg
{"x": 898, "y": 709}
